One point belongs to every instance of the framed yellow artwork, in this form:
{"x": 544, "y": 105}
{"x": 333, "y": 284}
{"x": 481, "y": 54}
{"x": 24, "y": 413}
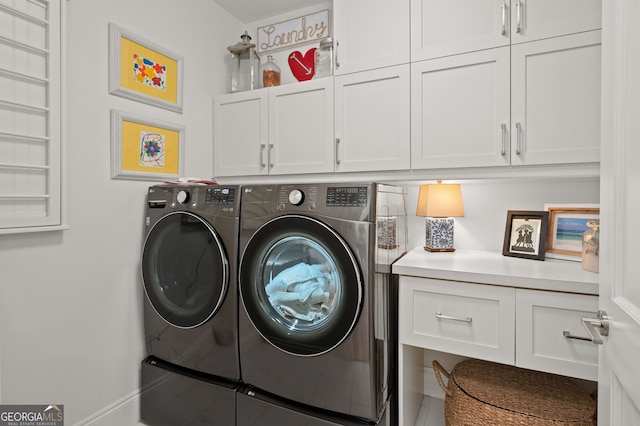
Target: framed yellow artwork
{"x": 144, "y": 148}
{"x": 143, "y": 71}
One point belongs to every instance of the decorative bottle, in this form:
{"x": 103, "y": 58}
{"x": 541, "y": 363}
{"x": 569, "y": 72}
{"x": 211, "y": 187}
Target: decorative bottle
{"x": 591, "y": 246}
{"x": 270, "y": 73}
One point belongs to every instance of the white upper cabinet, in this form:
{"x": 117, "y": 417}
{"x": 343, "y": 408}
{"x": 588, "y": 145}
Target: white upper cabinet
{"x": 240, "y": 133}
{"x": 370, "y": 34}
{"x": 538, "y": 19}
{"x": 280, "y": 130}
{"x": 460, "y": 110}
{"x": 528, "y": 104}
{"x": 372, "y": 120}
{"x": 555, "y": 100}
{"x": 301, "y": 128}
{"x": 442, "y": 28}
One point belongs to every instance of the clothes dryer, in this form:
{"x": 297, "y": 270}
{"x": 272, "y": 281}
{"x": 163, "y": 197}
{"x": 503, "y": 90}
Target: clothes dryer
{"x": 189, "y": 271}
{"x": 317, "y": 324}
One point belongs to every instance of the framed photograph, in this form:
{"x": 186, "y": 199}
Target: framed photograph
{"x": 567, "y": 223}
{"x": 143, "y": 71}
{"x": 145, "y": 149}
{"x": 526, "y": 234}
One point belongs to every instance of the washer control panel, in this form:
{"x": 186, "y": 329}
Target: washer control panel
{"x": 347, "y": 196}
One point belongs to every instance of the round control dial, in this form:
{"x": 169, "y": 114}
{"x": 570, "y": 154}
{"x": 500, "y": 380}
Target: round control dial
{"x": 296, "y": 197}
{"x": 183, "y": 197}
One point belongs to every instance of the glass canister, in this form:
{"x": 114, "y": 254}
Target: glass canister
{"x": 591, "y": 246}
{"x": 244, "y": 64}
{"x": 324, "y": 58}
{"x": 270, "y": 73}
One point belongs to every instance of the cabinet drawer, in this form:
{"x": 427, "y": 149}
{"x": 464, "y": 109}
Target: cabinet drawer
{"x": 465, "y": 319}
{"x": 541, "y": 320}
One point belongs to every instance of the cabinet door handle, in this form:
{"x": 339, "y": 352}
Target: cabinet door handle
{"x": 518, "y": 129}
{"x": 269, "y": 155}
{"x": 518, "y": 17}
{"x": 503, "y": 150}
{"x": 337, "y": 62}
{"x": 602, "y": 324}
{"x": 568, "y": 335}
{"x": 337, "y": 151}
{"x": 262, "y": 148}
{"x": 504, "y": 18}
{"x": 446, "y": 317}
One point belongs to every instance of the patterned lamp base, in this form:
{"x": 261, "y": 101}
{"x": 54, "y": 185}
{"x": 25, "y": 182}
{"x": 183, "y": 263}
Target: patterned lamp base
{"x": 439, "y": 234}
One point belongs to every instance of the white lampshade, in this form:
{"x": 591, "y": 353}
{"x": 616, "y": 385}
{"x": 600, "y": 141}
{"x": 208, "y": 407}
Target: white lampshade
{"x": 439, "y": 203}
{"x": 440, "y": 200}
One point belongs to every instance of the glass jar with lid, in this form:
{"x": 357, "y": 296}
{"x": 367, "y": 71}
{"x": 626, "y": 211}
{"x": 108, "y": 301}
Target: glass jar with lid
{"x": 244, "y": 64}
{"x": 324, "y": 58}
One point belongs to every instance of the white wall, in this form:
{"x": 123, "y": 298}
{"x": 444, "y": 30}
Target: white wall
{"x": 486, "y": 203}
{"x": 70, "y": 302}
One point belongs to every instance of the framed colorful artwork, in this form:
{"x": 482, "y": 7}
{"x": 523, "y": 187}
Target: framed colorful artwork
{"x": 567, "y": 223}
{"x": 143, "y": 71}
{"x": 145, "y": 149}
{"x": 526, "y": 234}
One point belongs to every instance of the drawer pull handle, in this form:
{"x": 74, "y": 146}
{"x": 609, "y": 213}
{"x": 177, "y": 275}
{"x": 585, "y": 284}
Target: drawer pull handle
{"x": 446, "y": 317}
{"x": 568, "y": 335}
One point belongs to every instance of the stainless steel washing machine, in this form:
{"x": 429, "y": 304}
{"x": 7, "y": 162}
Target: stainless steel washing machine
{"x": 317, "y": 324}
{"x": 189, "y": 272}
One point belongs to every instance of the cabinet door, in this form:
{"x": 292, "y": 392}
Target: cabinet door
{"x": 442, "y": 28}
{"x": 555, "y": 88}
{"x": 372, "y": 120}
{"x": 301, "y": 127}
{"x": 550, "y": 336}
{"x": 370, "y": 34}
{"x": 538, "y": 19}
{"x": 460, "y": 110}
{"x": 240, "y": 126}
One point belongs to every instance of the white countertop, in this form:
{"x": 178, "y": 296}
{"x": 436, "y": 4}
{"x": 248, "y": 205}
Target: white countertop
{"x": 486, "y": 267}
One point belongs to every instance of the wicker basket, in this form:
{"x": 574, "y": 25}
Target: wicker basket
{"x": 483, "y": 393}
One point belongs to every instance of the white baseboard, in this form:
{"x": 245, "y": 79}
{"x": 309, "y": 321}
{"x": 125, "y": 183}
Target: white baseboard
{"x": 125, "y": 411}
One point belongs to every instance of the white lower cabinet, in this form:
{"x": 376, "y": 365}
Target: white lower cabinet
{"x": 550, "y": 336}
{"x": 535, "y": 329}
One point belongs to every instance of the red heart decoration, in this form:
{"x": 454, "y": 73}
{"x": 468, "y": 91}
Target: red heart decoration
{"x": 303, "y": 67}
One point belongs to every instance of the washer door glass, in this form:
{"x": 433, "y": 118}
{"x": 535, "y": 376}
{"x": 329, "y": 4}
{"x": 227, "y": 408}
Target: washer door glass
{"x": 184, "y": 269}
{"x": 300, "y": 285}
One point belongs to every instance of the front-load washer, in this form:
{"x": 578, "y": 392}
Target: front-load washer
{"x": 189, "y": 271}
{"x": 172, "y": 396}
{"x": 317, "y": 324}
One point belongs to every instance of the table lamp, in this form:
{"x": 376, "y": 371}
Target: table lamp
{"x": 439, "y": 203}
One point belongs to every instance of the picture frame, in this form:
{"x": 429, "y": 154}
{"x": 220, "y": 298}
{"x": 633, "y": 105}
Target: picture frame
{"x": 143, "y": 71}
{"x": 567, "y": 223}
{"x": 526, "y": 234}
{"x": 145, "y": 149}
